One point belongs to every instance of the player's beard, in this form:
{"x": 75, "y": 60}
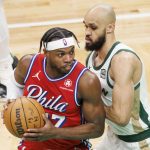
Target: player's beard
{"x": 97, "y": 44}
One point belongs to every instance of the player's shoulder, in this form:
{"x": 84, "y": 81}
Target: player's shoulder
{"x": 127, "y": 60}
{"x": 88, "y": 82}
{"x": 27, "y": 57}
{"x": 125, "y": 56}
{"x": 124, "y": 52}
{"x": 25, "y": 60}
{"x": 89, "y": 77}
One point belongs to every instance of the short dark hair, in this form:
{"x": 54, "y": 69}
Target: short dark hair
{"x": 55, "y": 34}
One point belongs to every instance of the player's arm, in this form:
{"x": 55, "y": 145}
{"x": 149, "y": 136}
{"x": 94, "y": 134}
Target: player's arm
{"x": 19, "y": 74}
{"x": 93, "y": 108}
{"x": 125, "y": 71}
{"x": 21, "y": 69}
{"x": 18, "y": 78}
{"x": 89, "y": 90}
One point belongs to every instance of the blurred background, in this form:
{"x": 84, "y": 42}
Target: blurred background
{"x": 28, "y": 20}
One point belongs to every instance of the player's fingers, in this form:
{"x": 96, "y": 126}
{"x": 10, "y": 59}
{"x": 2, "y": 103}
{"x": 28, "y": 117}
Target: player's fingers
{"x": 10, "y": 100}
{"x": 32, "y": 131}
{"x": 7, "y": 103}
{"x": 47, "y": 120}
{"x": 30, "y": 138}
{"x": 2, "y": 114}
{"x": 46, "y": 115}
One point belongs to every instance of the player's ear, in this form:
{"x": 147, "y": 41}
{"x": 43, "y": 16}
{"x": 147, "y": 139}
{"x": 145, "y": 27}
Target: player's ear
{"x": 110, "y": 28}
{"x": 44, "y": 50}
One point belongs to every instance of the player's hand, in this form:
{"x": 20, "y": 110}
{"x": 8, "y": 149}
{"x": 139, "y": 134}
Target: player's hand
{"x": 41, "y": 134}
{"x": 5, "y": 107}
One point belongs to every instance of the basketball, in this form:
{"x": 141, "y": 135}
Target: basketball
{"x": 22, "y": 114}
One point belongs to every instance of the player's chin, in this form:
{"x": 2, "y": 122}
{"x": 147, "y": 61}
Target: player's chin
{"x": 88, "y": 46}
{"x": 88, "y": 42}
{"x": 66, "y": 69}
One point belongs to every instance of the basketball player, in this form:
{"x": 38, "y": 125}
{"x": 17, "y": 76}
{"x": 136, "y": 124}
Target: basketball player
{"x": 121, "y": 73}
{"x": 7, "y": 61}
{"x": 69, "y": 93}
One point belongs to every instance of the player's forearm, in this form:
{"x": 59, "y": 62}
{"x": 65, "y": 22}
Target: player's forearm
{"x": 117, "y": 117}
{"x": 86, "y": 131}
{"x": 120, "y": 110}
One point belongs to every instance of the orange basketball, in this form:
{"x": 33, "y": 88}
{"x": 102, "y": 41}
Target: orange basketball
{"x": 22, "y": 114}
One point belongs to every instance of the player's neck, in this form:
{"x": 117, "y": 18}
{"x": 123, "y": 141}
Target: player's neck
{"x": 103, "y": 51}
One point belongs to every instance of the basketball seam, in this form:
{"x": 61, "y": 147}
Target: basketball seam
{"x": 15, "y": 131}
{"x": 37, "y": 111}
{"x": 24, "y": 114}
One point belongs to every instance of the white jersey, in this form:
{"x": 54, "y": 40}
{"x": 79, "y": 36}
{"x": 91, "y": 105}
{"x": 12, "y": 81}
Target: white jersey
{"x": 140, "y": 119}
